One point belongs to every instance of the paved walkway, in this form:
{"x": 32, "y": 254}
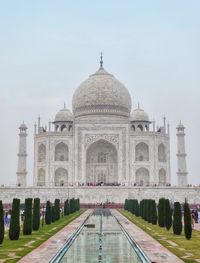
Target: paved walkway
{"x": 46, "y": 251}
{"x": 152, "y": 248}
{"x": 197, "y": 226}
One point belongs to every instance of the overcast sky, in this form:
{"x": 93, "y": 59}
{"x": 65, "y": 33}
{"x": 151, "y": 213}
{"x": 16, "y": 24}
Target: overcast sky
{"x": 48, "y": 47}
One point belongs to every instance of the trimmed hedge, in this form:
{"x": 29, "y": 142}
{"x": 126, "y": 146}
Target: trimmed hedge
{"x": 2, "y": 229}
{"x": 161, "y": 212}
{"x": 154, "y": 213}
{"x": 36, "y": 214}
{"x": 187, "y": 222}
{"x": 27, "y": 225}
{"x": 53, "y": 214}
{"x": 57, "y": 209}
{"x": 48, "y": 215}
{"x": 168, "y": 215}
{"x": 14, "y": 230}
{"x": 177, "y": 219}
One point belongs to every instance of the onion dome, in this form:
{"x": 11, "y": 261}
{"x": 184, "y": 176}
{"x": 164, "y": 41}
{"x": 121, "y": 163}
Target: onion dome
{"x": 100, "y": 94}
{"x": 139, "y": 115}
{"x": 64, "y": 115}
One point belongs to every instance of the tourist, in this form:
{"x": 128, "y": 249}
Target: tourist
{"x": 198, "y": 211}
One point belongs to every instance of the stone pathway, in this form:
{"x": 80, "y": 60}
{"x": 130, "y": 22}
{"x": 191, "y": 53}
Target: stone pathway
{"x": 46, "y": 251}
{"x": 152, "y": 248}
{"x": 197, "y": 226}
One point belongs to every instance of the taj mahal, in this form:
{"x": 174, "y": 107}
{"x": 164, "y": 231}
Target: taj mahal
{"x": 104, "y": 150}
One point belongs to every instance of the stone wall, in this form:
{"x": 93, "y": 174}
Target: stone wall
{"x": 101, "y": 194}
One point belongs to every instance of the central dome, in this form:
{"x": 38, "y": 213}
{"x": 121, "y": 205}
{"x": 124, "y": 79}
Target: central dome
{"x": 103, "y": 94}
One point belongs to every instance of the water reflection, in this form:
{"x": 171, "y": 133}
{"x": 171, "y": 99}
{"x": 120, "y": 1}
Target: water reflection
{"x": 116, "y": 248}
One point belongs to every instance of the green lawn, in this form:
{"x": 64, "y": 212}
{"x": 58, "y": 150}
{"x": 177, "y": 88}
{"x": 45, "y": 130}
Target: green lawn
{"x": 187, "y": 250}
{"x": 12, "y": 251}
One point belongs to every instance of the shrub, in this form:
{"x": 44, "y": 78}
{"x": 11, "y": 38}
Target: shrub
{"x": 72, "y": 208}
{"x": 67, "y": 207}
{"x": 187, "y": 221}
{"x": 53, "y": 214}
{"x": 57, "y": 209}
{"x": 137, "y": 212}
{"x": 161, "y": 212}
{"x": 14, "y": 230}
{"x": 154, "y": 213}
{"x": 48, "y": 215}
{"x": 2, "y": 230}
{"x": 27, "y": 225}
{"x": 177, "y": 219}
{"x": 36, "y": 214}
{"x": 168, "y": 215}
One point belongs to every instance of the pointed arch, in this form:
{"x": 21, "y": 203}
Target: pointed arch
{"x": 142, "y": 152}
{"x": 101, "y": 163}
{"x": 162, "y": 157}
{"x": 162, "y": 177}
{"x": 61, "y": 152}
{"x": 41, "y": 153}
{"x": 61, "y": 177}
{"x": 41, "y": 177}
{"x": 142, "y": 176}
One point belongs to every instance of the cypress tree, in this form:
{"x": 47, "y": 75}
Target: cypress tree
{"x": 168, "y": 215}
{"x": 2, "y": 230}
{"x": 125, "y": 204}
{"x": 149, "y": 207}
{"x": 48, "y": 216}
{"x": 161, "y": 212}
{"x": 53, "y": 214}
{"x": 57, "y": 209}
{"x": 177, "y": 219}
{"x": 78, "y": 201}
{"x": 71, "y": 205}
{"x": 14, "y": 230}
{"x": 27, "y": 225}
{"x": 187, "y": 222}
{"x": 137, "y": 212}
{"x": 36, "y": 214}
{"x": 154, "y": 213}
{"x": 67, "y": 207}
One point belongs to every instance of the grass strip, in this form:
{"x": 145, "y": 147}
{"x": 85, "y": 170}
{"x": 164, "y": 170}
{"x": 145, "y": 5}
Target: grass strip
{"x": 12, "y": 250}
{"x": 187, "y": 250}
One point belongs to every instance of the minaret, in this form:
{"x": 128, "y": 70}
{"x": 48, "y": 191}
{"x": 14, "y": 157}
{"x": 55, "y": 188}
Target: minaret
{"x": 22, "y": 156}
{"x": 181, "y": 156}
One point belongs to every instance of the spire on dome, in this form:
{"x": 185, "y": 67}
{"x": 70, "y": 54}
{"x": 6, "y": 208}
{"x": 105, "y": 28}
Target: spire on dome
{"x": 101, "y": 60}
{"x": 64, "y": 105}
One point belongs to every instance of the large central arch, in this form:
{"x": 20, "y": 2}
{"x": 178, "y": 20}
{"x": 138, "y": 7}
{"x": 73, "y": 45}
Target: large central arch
{"x": 101, "y": 163}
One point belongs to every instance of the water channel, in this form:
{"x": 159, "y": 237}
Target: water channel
{"x": 101, "y": 240}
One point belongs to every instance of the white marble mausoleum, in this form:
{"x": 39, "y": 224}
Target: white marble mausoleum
{"x": 105, "y": 149}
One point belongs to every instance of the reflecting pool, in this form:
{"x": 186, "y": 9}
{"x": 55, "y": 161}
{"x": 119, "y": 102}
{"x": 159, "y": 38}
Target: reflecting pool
{"x": 115, "y": 246}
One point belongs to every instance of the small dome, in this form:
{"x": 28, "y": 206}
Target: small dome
{"x": 139, "y": 115}
{"x": 23, "y": 126}
{"x": 63, "y": 116}
{"x": 101, "y": 93}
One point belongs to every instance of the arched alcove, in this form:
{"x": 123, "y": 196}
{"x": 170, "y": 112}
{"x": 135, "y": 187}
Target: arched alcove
{"x": 162, "y": 177}
{"x": 41, "y": 177}
{"x": 142, "y": 176}
{"x": 61, "y": 152}
{"x": 101, "y": 163}
{"x": 61, "y": 177}
{"x": 162, "y": 153}
{"x": 142, "y": 152}
{"x": 42, "y": 153}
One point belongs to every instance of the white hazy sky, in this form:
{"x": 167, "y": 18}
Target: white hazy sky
{"x": 48, "y": 47}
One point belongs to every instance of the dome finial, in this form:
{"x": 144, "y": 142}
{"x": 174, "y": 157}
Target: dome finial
{"x": 101, "y": 60}
{"x": 138, "y": 105}
{"x": 64, "y": 105}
